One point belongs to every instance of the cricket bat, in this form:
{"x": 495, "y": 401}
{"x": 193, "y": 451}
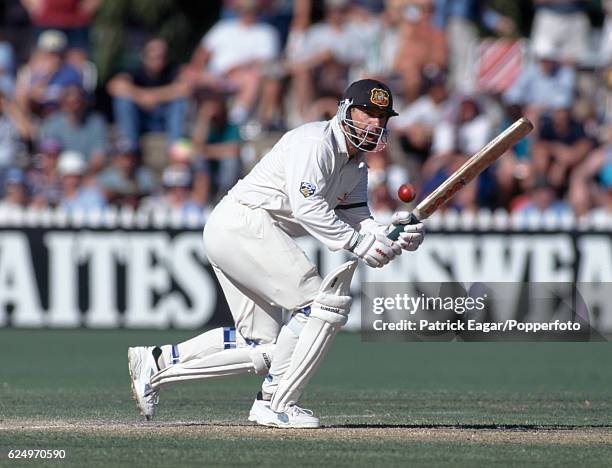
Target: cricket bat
{"x": 466, "y": 173}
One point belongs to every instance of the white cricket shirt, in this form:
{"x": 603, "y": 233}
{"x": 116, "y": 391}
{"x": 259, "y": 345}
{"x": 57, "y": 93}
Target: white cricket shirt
{"x": 308, "y": 184}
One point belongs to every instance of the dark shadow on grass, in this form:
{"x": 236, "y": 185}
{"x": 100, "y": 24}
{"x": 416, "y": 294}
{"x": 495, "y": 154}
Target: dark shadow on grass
{"x": 510, "y": 427}
{"x": 477, "y": 427}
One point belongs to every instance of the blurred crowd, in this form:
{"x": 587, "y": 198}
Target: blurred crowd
{"x": 176, "y": 136}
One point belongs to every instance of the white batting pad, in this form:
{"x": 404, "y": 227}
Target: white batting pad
{"x": 328, "y": 313}
{"x": 254, "y": 360}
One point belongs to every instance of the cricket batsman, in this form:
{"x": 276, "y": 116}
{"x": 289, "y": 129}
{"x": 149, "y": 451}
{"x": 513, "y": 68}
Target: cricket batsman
{"x": 313, "y": 181}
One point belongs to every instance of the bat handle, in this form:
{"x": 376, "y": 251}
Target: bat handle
{"x": 394, "y": 235}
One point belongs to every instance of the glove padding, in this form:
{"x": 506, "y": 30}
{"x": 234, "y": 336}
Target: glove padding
{"x": 413, "y": 234}
{"x": 376, "y": 249}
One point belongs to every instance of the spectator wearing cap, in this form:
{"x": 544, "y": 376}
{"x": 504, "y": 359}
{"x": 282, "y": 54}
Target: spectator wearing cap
{"x": 43, "y": 176}
{"x": 125, "y": 177}
{"x": 78, "y": 128}
{"x": 562, "y": 143}
{"x": 150, "y": 98}
{"x": 217, "y": 141}
{"x": 72, "y": 17}
{"x": 232, "y": 57}
{"x": 183, "y": 153}
{"x": 542, "y": 85}
{"x": 41, "y": 81}
{"x": 15, "y": 191}
{"x": 15, "y": 128}
{"x": 176, "y": 196}
{"x": 591, "y": 180}
{"x": 76, "y": 196}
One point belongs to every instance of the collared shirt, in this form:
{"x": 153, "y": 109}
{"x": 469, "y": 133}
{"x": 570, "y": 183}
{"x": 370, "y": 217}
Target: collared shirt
{"x": 535, "y": 87}
{"x": 304, "y": 179}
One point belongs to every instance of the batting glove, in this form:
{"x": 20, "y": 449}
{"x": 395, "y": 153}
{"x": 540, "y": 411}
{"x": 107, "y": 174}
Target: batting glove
{"x": 413, "y": 234}
{"x": 376, "y": 249}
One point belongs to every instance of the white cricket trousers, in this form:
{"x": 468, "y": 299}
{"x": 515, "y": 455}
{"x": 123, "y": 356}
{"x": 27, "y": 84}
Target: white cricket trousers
{"x": 261, "y": 268}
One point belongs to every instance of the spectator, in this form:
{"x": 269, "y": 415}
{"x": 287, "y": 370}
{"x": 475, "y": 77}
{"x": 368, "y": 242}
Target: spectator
{"x": 183, "y": 153}
{"x": 125, "y": 180}
{"x": 463, "y": 133}
{"x": 217, "y": 141}
{"x": 563, "y": 25}
{"x": 43, "y": 176}
{"x": 380, "y": 40}
{"x": 15, "y": 191}
{"x": 78, "y": 128}
{"x": 14, "y": 129}
{"x": 41, "y": 81}
{"x": 460, "y": 19}
{"x": 605, "y": 47}
{"x": 591, "y": 180}
{"x": 543, "y": 85}
{"x": 514, "y": 170}
{"x": 176, "y": 180}
{"x": 150, "y": 98}
{"x": 77, "y": 196}
{"x": 232, "y": 57}
{"x": 562, "y": 144}
{"x": 384, "y": 178}
{"x": 7, "y": 69}
{"x": 416, "y": 123}
{"x": 72, "y": 17}
{"x": 422, "y": 46}
{"x": 319, "y": 59}
{"x": 540, "y": 199}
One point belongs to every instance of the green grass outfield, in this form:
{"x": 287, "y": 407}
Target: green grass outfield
{"x": 382, "y": 404}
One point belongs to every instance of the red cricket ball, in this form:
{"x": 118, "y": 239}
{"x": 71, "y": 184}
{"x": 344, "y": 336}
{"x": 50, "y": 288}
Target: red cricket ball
{"x": 406, "y": 193}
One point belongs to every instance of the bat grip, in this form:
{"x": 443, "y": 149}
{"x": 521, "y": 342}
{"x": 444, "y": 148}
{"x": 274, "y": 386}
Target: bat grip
{"x": 394, "y": 235}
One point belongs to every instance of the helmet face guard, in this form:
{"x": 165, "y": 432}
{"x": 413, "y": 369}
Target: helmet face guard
{"x": 372, "y": 138}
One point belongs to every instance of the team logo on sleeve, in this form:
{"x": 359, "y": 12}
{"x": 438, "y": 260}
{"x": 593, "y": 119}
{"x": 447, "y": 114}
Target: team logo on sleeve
{"x": 307, "y": 189}
{"x": 380, "y": 97}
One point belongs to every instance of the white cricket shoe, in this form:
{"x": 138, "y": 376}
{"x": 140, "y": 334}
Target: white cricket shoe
{"x": 142, "y": 366}
{"x": 294, "y": 418}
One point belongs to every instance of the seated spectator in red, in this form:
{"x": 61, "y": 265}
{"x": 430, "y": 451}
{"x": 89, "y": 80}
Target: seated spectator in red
{"x": 41, "y": 81}
{"x": 78, "y": 128}
{"x": 217, "y": 141}
{"x": 126, "y": 171}
{"x": 591, "y": 180}
{"x": 72, "y": 17}
{"x": 150, "y": 98}
{"x": 562, "y": 143}
{"x": 77, "y": 196}
{"x": 43, "y": 176}
{"x": 15, "y": 191}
